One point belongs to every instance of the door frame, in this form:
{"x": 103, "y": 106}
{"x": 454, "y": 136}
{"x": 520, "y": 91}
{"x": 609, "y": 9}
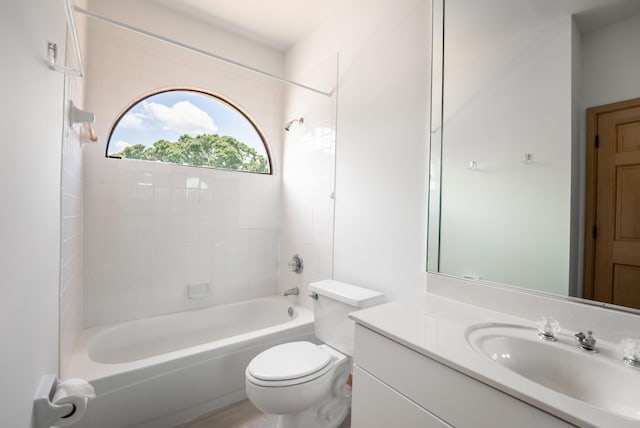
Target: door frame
{"x": 591, "y": 194}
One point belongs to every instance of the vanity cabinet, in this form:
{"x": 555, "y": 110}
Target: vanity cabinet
{"x": 378, "y": 405}
{"x": 397, "y": 386}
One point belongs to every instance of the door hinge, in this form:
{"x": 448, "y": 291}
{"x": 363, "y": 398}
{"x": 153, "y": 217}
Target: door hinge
{"x": 597, "y": 141}
{"x": 594, "y": 232}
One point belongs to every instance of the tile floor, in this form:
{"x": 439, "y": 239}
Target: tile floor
{"x": 241, "y": 415}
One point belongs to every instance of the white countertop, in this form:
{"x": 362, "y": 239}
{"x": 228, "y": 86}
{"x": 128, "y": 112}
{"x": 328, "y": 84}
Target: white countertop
{"x": 435, "y": 327}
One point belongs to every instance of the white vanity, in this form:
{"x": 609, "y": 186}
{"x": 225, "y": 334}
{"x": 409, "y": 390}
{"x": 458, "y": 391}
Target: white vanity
{"x": 415, "y": 365}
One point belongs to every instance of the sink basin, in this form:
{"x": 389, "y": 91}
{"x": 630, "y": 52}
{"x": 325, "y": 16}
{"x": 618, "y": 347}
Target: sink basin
{"x": 599, "y": 379}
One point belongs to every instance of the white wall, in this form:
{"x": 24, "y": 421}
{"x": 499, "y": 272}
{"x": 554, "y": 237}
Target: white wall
{"x": 155, "y": 18}
{"x": 480, "y": 236}
{"x": 506, "y": 219}
{"x": 382, "y": 143}
{"x": 611, "y": 63}
{"x": 151, "y": 229}
{"x": 30, "y": 192}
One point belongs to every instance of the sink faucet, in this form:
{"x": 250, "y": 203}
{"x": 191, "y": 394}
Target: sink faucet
{"x": 586, "y": 342}
{"x": 292, "y": 291}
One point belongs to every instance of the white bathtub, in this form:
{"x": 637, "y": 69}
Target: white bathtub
{"x": 158, "y": 372}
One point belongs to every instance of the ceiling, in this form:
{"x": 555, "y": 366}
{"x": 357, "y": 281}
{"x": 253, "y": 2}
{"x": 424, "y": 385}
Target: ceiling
{"x": 275, "y": 23}
{"x": 281, "y": 23}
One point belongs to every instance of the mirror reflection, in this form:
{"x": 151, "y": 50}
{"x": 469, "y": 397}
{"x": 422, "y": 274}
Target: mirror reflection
{"x": 526, "y": 198}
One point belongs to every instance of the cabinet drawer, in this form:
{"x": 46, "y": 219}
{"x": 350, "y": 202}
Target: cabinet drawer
{"x": 375, "y": 405}
{"x": 460, "y": 400}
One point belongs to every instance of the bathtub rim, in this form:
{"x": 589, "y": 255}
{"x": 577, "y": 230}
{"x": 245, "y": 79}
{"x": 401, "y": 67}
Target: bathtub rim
{"x": 82, "y": 366}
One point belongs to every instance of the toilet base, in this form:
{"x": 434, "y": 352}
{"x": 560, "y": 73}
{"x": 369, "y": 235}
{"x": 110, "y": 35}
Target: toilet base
{"x": 329, "y": 415}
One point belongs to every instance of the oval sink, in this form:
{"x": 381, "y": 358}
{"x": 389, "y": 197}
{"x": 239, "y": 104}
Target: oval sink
{"x": 600, "y": 379}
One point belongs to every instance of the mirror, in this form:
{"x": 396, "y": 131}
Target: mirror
{"x": 512, "y": 82}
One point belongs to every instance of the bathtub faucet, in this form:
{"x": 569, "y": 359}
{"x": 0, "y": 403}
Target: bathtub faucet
{"x": 292, "y": 291}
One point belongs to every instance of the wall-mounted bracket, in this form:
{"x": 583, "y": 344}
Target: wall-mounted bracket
{"x": 77, "y": 115}
{"x": 52, "y": 48}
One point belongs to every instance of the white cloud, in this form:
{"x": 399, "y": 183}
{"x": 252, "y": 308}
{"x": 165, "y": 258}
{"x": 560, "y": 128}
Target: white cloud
{"x": 132, "y": 120}
{"x": 120, "y": 145}
{"x": 183, "y": 117}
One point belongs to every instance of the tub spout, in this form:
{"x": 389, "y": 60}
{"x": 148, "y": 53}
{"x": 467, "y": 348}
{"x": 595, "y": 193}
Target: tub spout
{"x": 292, "y": 291}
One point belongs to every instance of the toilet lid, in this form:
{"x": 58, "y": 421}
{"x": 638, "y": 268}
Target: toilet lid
{"x": 289, "y": 361}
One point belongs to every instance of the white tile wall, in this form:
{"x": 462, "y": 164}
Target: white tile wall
{"x": 71, "y": 240}
{"x": 146, "y": 242}
{"x": 71, "y": 221}
{"x": 151, "y": 229}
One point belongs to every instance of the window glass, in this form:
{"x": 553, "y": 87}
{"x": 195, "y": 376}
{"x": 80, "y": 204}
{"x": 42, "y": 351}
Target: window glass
{"x": 191, "y": 128}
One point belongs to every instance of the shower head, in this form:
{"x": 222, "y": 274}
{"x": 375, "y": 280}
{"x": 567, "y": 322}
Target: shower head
{"x": 300, "y": 120}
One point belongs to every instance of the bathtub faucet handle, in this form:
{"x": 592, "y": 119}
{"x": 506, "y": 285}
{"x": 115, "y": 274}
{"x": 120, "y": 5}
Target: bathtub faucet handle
{"x": 296, "y": 264}
{"x": 292, "y": 291}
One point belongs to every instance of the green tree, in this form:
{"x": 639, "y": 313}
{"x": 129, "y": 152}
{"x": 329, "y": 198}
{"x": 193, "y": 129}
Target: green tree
{"x": 137, "y": 151}
{"x": 206, "y": 150}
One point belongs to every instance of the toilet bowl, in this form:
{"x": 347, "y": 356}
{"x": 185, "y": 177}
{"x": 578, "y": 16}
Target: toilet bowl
{"x": 306, "y": 384}
{"x": 303, "y": 383}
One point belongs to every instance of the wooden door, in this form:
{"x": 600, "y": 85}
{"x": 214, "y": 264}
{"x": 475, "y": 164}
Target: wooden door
{"x": 612, "y": 274}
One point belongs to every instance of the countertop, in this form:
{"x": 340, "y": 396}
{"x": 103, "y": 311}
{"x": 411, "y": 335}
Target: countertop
{"x": 435, "y": 327}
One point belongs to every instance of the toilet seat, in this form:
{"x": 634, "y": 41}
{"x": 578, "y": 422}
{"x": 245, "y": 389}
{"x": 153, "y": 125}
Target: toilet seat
{"x": 289, "y": 364}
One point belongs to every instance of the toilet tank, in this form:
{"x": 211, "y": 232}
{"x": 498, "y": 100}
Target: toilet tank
{"x": 336, "y": 300}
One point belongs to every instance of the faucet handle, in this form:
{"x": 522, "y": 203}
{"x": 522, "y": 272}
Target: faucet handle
{"x": 296, "y": 264}
{"x": 630, "y": 352}
{"x": 548, "y": 328}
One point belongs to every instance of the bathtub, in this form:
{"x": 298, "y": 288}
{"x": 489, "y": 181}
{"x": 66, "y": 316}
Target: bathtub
{"x": 159, "y": 372}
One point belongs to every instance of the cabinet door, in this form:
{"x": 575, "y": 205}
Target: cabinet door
{"x": 375, "y": 405}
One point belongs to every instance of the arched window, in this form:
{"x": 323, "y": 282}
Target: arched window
{"x": 191, "y": 128}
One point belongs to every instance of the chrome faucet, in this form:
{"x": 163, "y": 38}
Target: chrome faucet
{"x": 292, "y": 291}
{"x": 586, "y": 342}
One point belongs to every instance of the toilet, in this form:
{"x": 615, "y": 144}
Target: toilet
{"x": 304, "y": 383}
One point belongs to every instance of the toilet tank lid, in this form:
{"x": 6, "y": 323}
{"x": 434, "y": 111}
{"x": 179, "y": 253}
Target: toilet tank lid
{"x": 347, "y": 293}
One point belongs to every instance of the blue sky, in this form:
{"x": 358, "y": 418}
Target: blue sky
{"x": 169, "y": 115}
